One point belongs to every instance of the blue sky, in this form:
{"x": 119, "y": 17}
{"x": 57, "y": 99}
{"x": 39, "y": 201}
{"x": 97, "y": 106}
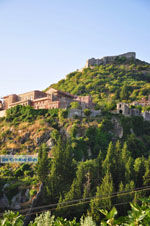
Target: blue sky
{"x": 43, "y": 40}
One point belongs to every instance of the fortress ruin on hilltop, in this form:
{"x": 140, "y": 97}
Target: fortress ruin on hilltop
{"x": 110, "y": 59}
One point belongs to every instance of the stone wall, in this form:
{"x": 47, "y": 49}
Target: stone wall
{"x": 23, "y": 103}
{"x": 35, "y": 94}
{"x": 109, "y": 59}
{"x": 85, "y": 101}
{"x": 9, "y": 100}
{"x": 80, "y": 113}
{"x": 45, "y": 103}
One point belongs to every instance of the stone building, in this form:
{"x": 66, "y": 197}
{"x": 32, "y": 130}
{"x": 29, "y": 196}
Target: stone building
{"x": 52, "y": 98}
{"x": 22, "y": 99}
{"x": 109, "y": 59}
{"x": 146, "y": 115}
{"x": 123, "y": 108}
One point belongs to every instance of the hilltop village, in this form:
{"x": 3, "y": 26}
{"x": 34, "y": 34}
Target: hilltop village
{"x": 54, "y": 98}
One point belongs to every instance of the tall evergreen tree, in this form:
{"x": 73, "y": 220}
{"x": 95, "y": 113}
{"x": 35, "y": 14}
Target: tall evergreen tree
{"x": 102, "y": 198}
{"x": 139, "y": 168}
{"x": 43, "y": 164}
{"x": 62, "y": 169}
{"x": 108, "y": 162}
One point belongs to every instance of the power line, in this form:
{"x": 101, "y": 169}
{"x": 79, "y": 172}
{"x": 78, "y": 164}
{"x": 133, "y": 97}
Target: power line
{"x": 123, "y": 193}
{"x": 81, "y": 203}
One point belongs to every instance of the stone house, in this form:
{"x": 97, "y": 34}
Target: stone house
{"x": 22, "y": 99}
{"x": 52, "y": 98}
{"x": 123, "y": 108}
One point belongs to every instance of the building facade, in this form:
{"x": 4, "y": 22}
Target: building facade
{"x": 52, "y": 98}
{"x": 124, "y": 108}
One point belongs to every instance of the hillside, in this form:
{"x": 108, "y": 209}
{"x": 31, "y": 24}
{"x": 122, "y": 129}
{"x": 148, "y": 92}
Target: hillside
{"x": 120, "y": 81}
{"x": 83, "y": 161}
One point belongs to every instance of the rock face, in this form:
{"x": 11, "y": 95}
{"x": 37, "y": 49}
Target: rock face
{"x": 43, "y": 139}
{"x": 50, "y": 143}
{"x": 16, "y": 200}
{"x": 109, "y": 59}
{"x": 118, "y": 130}
{"x": 4, "y": 203}
{"x": 36, "y": 201}
{"x": 24, "y": 138}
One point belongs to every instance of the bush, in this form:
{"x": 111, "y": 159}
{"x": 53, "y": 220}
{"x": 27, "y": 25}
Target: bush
{"x": 87, "y": 112}
{"x": 75, "y": 105}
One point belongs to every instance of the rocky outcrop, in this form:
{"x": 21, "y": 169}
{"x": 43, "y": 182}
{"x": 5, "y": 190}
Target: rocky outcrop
{"x": 35, "y": 202}
{"x": 118, "y": 129}
{"x": 43, "y": 138}
{"x": 16, "y": 200}
{"x": 23, "y": 139}
{"x": 4, "y": 203}
{"x": 50, "y": 143}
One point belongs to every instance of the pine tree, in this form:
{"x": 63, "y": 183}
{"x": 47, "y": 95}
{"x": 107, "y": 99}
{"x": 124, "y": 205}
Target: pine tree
{"x": 62, "y": 169}
{"x": 108, "y": 163}
{"x": 139, "y": 168}
{"x": 102, "y": 199}
{"x": 127, "y": 163}
{"x": 43, "y": 164}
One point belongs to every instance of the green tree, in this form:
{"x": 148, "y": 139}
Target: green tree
{"x": 43, "y": 164}
{"x": 102, "y": 198}
{"x": 139, "y": 168}
{"x": 87, "y": 112}
{"x": 124, "y": 93}
{"x": 127, "y": 164}
{"x": 75, "y": 105}
{"x": 11, "y": 218}
{"x": 82, "y": 187}
{"x": 62, "y": 169}
{"x": 109, "y": 161}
